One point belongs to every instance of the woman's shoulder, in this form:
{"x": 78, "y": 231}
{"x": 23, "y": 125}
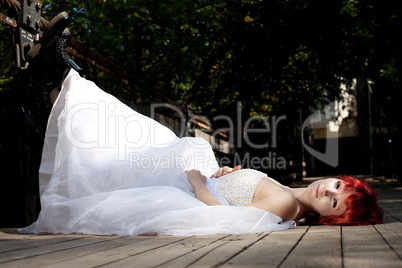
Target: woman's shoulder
{"x": 285, "y": 197}
{"x": 280, "y": 203}
{"x": 287, "y": 205}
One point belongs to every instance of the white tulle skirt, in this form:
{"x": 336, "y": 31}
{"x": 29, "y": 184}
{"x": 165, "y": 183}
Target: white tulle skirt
{"x": 107, "y": 169}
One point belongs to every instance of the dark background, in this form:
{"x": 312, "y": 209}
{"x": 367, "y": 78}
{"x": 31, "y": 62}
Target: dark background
{"x": 276, "y": 57}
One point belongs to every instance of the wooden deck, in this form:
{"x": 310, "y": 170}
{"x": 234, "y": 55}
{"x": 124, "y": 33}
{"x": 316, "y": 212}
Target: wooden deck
{"x": 303, "y": 246}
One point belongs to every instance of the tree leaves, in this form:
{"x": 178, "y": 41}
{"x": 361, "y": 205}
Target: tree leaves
{"x": 211, "y": 54}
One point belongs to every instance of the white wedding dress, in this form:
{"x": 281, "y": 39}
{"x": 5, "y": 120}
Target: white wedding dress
{"x": 108, "y": 170}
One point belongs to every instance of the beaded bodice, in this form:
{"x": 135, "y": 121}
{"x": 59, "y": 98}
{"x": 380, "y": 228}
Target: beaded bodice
{"x": 238, "y": 187}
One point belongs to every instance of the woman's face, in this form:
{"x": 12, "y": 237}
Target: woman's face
{"x": 327, "y": 196}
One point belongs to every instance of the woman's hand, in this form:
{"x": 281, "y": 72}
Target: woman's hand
{"x": 195, "y": 178}
{"x": 199, "y": 182}
{"x": 225, "y": 170}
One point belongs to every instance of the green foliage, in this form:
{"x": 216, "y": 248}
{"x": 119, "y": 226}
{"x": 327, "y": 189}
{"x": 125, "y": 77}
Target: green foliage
{"x": 272, "y": 55}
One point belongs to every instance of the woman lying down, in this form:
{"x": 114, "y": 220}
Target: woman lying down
{"x": 107, "y": 169}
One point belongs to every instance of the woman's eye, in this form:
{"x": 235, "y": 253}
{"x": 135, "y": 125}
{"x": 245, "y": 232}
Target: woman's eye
{"x": 338, "y": 184}
{"x": 335, "y": 202}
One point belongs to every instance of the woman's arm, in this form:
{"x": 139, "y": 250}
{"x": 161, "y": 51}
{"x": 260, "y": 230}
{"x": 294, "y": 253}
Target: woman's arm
{"x": 199, "y": 182}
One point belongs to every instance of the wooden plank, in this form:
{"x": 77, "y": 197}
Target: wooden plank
{"x": 389, "y": 219}
{"x": 397, "y": 214}
{"x": 9, "y": 237}
{"x": 384, "y": 204}
{"x": 12, "y": 234}
{"x": 392, "y": 234}
{"x": 385, "y": 194}
{"x": 162, "y": 255}
{"x": 20, "y": 242}
{"x": 222, "y": 254}
{"x": 391, "y": 203}
{"x": 69, "y": 255}
{"x": 188, "y": 259}
{"x": 364, "y": 247}
{"x": 102, "y": 256}
{"x": 319, "y": 247}
{"x": 49, "y": 248}
{"x": 391, "y": 210}
{"x": 269, "y": 251}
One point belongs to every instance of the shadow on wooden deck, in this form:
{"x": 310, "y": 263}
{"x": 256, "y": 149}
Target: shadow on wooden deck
{"x": 302, "y": 246}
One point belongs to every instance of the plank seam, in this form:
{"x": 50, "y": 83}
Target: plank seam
{"x": 42, "y": 254}
{"x": 196, "y": 250}
{"x": 104, "y": 264}
{"x": 294, "y": 246}
{"x": 38, "y": 246}
{"x": 237, "y": 253}
{"x": 390, "y": 215}
{"x": 385, "y": 240}
{"x": 196, "y": 260}
{"x": 343, "y": 261}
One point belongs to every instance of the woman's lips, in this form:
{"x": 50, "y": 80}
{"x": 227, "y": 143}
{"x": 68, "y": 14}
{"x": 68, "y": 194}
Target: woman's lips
{"x": 316, "y": 191}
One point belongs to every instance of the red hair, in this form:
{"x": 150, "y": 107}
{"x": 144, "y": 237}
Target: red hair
{"x": 361, "y": 205}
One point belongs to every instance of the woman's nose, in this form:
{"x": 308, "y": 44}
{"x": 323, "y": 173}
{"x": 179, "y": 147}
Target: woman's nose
{"x": 328, "y": 191}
